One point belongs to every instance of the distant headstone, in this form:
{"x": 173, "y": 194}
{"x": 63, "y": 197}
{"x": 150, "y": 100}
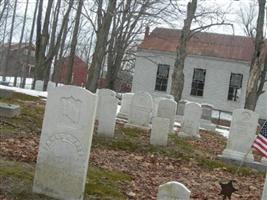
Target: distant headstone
{"x": 180, "y": 110}
{"x": 173, "y": 191}
{"x": 5, "y": 94}
{"x": 205, "y": 121}
{"x": 125, "y": 105}
{"x": 39, "y": 85}
{"x": 106, "y": 112}
{"x": 160, "y": 131}
{"x": 156, "y": 101}
{"x": 65, "y": 143}
{"x": 191, "y": 120}
{"x": 140, "y": 110}
{"x": 9, "y": 110}
{"x": 242, "y": 134}
{"x": 167, "y": 109}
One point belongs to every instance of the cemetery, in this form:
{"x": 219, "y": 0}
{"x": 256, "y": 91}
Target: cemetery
{"x": 78, "y": 145}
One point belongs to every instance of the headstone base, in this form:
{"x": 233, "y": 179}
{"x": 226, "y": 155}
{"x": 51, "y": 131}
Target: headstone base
{"x": 235, "y": 155}
{"x": 9, "y": 110}
{"x": 254, "y": 165}
{"x": 122, "y": 115}
{"x": 145, "y": 128}
{"x": 183, "y": 134}
{"x": 208, "y": 125}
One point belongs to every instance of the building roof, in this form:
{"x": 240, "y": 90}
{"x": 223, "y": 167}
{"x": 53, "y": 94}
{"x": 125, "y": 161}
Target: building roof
{"x": 203, "y": 44}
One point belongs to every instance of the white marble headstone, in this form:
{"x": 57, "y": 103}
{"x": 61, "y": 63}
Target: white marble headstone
{"x": 106, "y": 112}
{"x": 173, "y": 191}
{"x": 65, "y": 143}
{"x": 242, "y": 134}
{"x": 125, "y": 105}
{"x": 167, "y": 109}
{"x": 156, "y": 101}
{"x": 205, "y": 121}
{"x": 141, "y": 109}
{"x": 160, "y": 131}
{"x": 191, "y": 120}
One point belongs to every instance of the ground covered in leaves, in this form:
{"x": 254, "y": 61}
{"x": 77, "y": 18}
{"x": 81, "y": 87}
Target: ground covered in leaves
{"x": 126, "y": 167}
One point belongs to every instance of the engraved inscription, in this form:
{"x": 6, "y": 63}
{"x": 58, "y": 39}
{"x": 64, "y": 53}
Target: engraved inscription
{"x": 71, "y": 109}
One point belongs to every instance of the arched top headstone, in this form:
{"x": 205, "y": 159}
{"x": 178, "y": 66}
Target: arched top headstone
{"x": 142, "y": 100}
{"x": 173, "y": 191}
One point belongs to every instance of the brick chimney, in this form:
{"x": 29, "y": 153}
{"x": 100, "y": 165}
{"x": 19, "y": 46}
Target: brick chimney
{"x": 146, "y": 32}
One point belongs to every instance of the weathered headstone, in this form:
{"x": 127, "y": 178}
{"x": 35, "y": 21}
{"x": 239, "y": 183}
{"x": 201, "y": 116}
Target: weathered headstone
{"x": 167, "y": 109}
{"x": 191, "y": 120}
{"x": 39, "y": 85}
{"x": 160, "y": 131}
{"x": 205, "y": 121}
{"x": 242, "y": 134}
{"x": 65, "y": 143}
{"x": 140, "y": 110}
{"x": 9, "y": 110}
{"x": 180, "y": 110}
{"x": 125, "y": 105}
{"x": 264, "y": 192}
{"x": 106, "y": 112}
{"x": 173, "y": 191}
{"x": 156, "y": 101}
{"x": 6, "y": 93}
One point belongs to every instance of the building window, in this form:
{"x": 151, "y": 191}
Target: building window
{"x": 235, "y": 87}
{"x": 198, "y": 82}
{"x": 162, "y": 77}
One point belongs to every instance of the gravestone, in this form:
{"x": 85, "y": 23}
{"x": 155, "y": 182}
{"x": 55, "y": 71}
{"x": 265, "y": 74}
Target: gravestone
{"x": 5, "y": 94}
{"x": 125, "y": 105}
{"x": 191, "y": 120}
{"x": 140, "y": 110}
{"x": 39, "y": 85}
{"x": 160, "y": 131}
{"x": 65, "y": 143}
{"x": 156, "y": 101}
{"x": 106, "y": 112}
{"x": 205, "y": 121}
{"x": 167, "y": 109}
{"x": 180, "y": 110}
{"x": 9, "y": 110}
{"x": 242, "y": 134}
{"x": 173, "y": 191}
{"x": 264, "y": 192}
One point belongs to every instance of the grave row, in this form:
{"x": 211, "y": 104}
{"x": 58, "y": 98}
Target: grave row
{"x": 68, "y": 127}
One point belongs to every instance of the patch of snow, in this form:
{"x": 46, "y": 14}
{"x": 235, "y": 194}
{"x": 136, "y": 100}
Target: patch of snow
{"x": 223, "y": 132}
{"x": 223, "y": 115}
{"x": 25, "y": 91}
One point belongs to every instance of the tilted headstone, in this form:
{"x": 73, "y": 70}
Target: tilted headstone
{"x": 125, "y": 105}
{"x": 160, "y": 131}
{"x": 242, "y": 134}
{"x": 191, "y": 120}
{"x": 205, "y": 121}
{"x": 173, "y": 191}
{"x": 65, "y": 143}
{"x": 6, "y": 93}
{"x": 141, "y": 110}
{"x": 167, "y": 109}
{"x": 106, "y": 112}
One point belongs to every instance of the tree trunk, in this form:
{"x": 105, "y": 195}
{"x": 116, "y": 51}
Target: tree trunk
{"x": 255, "y": 66}
{"x": 74, "y": 42}
{"x": 178, "y": 74}
{"x": 100, "y": 48}
{"x": 10, "y": 41}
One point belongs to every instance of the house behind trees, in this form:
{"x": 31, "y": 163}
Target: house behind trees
{"x": 17, "y": 60}
{"x": 216, "y": 68}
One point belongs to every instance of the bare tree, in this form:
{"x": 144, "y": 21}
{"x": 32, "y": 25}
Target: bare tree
{"x": 10, "y": 41}
{"x": 74, "y": 41}
{"x": 203, "y": 20}
{"x": 103, "y": 27}
{"x": 254, "y": 87}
